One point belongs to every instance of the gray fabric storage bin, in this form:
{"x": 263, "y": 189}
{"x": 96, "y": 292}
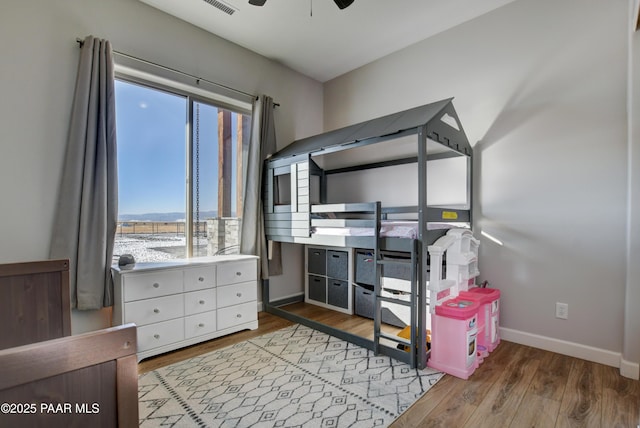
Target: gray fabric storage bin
{"x": 317, "y": 261}
{"x": 388, "y": 317}
{"x": 393, "y": 313}
{"x": 338, "y": 293}
{"x": 365, "y": 267}
{"x": 317, "y": 288}
{"x": 364, "y": 301}
{"x": 364, "y": 306}
{"x": 397, "y": 271}
{"x": 338, "y": 264}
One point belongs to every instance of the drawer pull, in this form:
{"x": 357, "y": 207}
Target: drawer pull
{"x": 201, "y": 325}
{"x": 239, "y": 294}
{"x": 239, "y": 316}
{"x": 201, "y": 302}
{"x": 156, "y": 311}
{"x": 156, "y": 285}
{"x": 239, "y": 273}
{"x": 201, "y": 279}
{"x": 157, "y": 336}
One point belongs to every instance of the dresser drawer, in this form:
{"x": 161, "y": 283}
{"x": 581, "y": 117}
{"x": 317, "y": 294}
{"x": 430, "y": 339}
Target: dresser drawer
{"x": 232, "y": 273}
{"x": 198, "y": 278}
{"x": 150, "y": 311}
{"x": 239, "y": 314}
{"x": 160, "y": 334}
{"x": 200, "y": 301}
{"x": 235, "y": 294}
{"x": 153, "y": 284}
{"x": 197, "y": 325}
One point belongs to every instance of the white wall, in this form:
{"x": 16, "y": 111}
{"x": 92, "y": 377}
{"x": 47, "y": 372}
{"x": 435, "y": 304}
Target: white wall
{"x": 398, "y": 185}
{"x": 631, "y": 350}
{"x": 37, "y": 74}
{"x": 540, "y": 87}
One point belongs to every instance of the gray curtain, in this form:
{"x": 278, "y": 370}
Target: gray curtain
{"x": 262, "y": 144}
{"x": 86, "y": 215}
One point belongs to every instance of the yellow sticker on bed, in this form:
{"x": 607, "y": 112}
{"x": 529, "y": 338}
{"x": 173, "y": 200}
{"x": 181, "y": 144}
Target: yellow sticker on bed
{"x": 449, "y": 215}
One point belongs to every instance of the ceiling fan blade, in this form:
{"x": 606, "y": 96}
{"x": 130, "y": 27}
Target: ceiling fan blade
{"x": 343, "y": 4}
{"x": 257, "y": 2}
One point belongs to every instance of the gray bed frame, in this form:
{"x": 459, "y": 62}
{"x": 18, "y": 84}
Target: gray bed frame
{"x": 294, "y": 220}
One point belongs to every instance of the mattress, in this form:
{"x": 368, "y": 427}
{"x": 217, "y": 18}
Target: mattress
{"x": 388, "y": 228}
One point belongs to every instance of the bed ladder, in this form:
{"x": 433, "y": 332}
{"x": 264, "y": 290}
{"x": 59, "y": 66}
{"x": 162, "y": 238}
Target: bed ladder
{"x": 378, "y": 348}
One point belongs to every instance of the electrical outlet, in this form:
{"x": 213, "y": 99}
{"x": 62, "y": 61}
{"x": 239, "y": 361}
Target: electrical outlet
{"x": 562, "y": 310}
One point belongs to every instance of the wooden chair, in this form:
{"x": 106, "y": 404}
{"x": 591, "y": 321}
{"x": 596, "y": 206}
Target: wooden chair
{"x": 34, "y": 302}
{"x": 88, "y": 380}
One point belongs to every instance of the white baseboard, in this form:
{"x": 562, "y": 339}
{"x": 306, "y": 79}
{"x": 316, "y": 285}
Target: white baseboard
{"x": 629, "y": 369}
{"x": 572, "y": 349}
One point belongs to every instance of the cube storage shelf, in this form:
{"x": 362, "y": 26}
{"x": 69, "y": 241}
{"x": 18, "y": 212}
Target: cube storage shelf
{"x": 342, "y": 279}
{"x": 328, "y": 275}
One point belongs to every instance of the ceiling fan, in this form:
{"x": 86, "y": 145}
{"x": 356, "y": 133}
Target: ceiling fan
{"x": 342, "y": 4}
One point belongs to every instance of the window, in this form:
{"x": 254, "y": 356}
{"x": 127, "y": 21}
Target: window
{"x": 180, "y": 173}
{"x": 283, "y": 189}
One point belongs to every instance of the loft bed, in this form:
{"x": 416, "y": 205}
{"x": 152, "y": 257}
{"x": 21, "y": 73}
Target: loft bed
{"x": 304, "y": 203}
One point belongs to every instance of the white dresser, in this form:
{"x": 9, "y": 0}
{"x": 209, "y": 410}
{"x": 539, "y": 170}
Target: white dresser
{"x": 182, "y": 302}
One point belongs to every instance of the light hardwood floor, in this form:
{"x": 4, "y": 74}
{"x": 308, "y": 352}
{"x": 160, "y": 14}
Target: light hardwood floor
{"x": 516, "y": 386}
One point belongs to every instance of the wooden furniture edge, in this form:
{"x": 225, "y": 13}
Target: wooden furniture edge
{"x": 28, "y": 268}
{"x": 127, "y": 388}
{"x": 61, "y": 266}
{"x": 40, "y": 360}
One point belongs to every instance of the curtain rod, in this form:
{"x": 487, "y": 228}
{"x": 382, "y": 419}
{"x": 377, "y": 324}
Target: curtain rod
{"x": 198, "y": 79}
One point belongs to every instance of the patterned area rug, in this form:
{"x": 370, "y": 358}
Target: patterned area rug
{"x": 294, "y": 377}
